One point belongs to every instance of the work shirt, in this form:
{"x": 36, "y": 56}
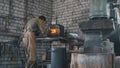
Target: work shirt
{"x": 33, "y": 26}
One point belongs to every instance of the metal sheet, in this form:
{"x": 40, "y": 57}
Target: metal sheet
{"x": 90, "y": 60}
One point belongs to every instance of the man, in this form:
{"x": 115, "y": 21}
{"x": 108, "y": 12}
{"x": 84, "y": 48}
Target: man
{"x": 33, "y": 27}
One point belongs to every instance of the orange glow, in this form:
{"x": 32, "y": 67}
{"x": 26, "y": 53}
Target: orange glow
{"x": 53, "y": 31}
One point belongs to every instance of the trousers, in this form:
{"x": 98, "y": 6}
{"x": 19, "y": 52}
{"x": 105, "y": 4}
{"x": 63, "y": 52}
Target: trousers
{"x": 30, "y": 44}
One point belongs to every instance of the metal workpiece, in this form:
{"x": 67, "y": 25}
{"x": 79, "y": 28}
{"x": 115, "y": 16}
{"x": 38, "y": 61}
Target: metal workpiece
{"x": 63, "y": 37}
{"x": 50, "y": 39}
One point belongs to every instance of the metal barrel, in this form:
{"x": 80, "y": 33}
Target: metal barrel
{"x": 95, "y": 60}
{"x": 48, "y": 65}
{"x": 58, "y": 58}
{"x": 117, "y": 62}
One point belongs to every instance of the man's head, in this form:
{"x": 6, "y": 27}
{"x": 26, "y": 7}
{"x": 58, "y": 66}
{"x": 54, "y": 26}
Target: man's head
{"x": 42, "y": 18}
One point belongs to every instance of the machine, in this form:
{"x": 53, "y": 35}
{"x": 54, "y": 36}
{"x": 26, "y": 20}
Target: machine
{"x": 58, "y": 39}
{"x": 101, "y": 27}
{"x": 58, "y": 45}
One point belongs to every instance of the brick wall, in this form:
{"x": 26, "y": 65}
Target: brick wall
{"x": 40, "y": 7}
{"x": 13, "y": 14}
{"x": 70, "y": 12}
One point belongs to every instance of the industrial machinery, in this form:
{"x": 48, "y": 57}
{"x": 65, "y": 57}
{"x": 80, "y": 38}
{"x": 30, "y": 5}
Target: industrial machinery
{"x": 102, "y": 24}
{"x": 59, "y": 40}
{"x": 97, "y": 30}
